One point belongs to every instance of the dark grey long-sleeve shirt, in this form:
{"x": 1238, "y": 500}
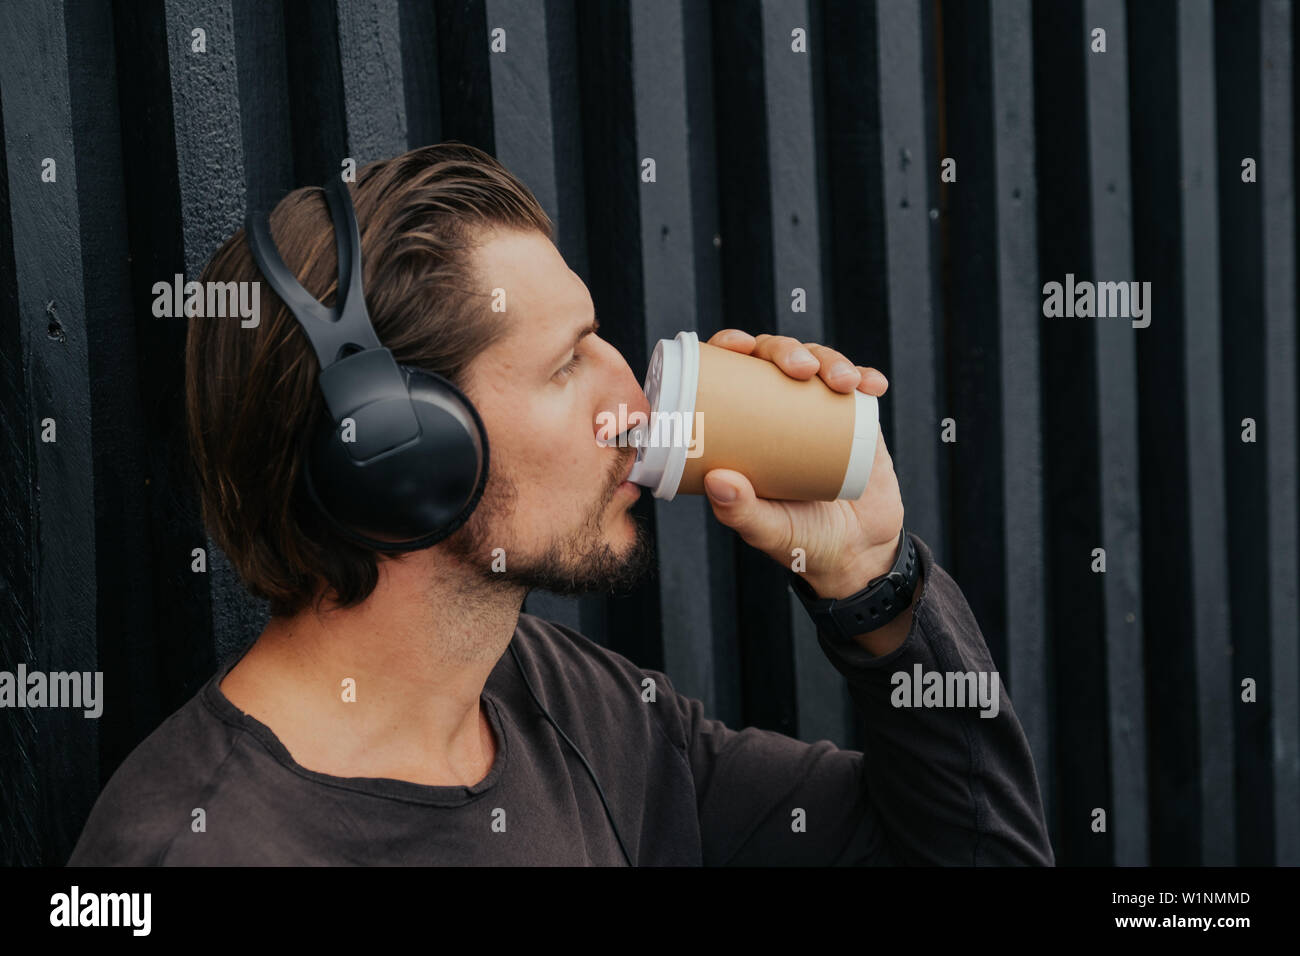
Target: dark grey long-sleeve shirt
{"x": 936, "y": 784}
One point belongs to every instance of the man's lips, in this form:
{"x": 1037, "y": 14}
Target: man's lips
{"x": 625, "y": 484}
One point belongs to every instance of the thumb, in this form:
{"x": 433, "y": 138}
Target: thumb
{"x": 761, "y": 523}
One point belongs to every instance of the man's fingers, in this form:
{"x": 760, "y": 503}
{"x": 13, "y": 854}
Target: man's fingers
{"x": 836, "y": 371}
{"x": 788, "y": 354}
{"x": 873, "y": 381}
{"x": 803, "y": 360}
{"x": 761, "y": 523}
{"x": 736, "y": 340}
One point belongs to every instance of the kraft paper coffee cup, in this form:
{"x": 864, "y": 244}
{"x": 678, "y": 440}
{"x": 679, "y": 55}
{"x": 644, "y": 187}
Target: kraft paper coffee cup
{"x": 715, "y": 408}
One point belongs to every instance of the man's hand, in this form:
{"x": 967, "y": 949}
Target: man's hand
{"x": 845, "y": 543}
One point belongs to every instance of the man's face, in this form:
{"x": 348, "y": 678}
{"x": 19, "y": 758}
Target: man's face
{"x": 555, "y": 500}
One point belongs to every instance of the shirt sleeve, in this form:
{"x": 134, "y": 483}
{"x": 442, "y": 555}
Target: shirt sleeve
{"x": 934, "y": 785}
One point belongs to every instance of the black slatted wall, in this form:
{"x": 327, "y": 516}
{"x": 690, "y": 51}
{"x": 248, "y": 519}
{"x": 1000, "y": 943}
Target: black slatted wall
{"x": 1024, "y": 443}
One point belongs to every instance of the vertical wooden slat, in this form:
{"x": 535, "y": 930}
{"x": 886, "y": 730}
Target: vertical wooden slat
{"x": 1082, "y": 198}
{"x": 47, "y": 615}
{"x": 1277, "y": 183}
{"x": 205, "y": 104}
{"x": 1175, "y": 800}
{"x": 1019, "y": 318}
{"x": 420, "y": 82}
{"x": 1204, "y": 436}
{"x": 822, "y": 707}
{"x": 974, "y": 334}
{"x": 261, "y": 56}
{"x": 565, "y": 132}
{"x": 19, "y": 789}
{"x": 1237, "y": 78}
{"x": 210, "y": 173}
{"x": 1071, "y": 452}
{"x": 1115, "y": 404}
{"x": 908, "y": 172}
{"x": 126, "y": 600}
{"x": 1171, "y": 76}
{"x": 522, "y": 108}
{"x": 316, "y": 99}
{"x": 464, "y": 73}
{"x": 370, "y": 59}
{"x": 793, "y": 169}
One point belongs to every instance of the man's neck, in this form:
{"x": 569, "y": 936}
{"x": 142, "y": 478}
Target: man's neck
{"x": 390, "y": 688}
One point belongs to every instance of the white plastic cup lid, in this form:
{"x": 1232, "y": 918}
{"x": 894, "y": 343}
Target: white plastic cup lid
{"x": 670, "y": 387}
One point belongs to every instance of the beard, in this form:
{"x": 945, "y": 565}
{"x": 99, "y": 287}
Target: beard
{"x": 571, "y": 564}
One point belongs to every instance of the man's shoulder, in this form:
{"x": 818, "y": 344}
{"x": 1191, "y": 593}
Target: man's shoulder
{"x": 593, "y": 683}
{"x": 151, "y": 796}
{"x": 558, "y": 650}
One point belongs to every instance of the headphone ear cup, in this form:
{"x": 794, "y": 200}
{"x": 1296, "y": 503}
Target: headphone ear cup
{"x": 412, "y": 496}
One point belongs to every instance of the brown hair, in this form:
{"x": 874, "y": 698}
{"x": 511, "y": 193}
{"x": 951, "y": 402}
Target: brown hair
{"x": 251, "y": 394}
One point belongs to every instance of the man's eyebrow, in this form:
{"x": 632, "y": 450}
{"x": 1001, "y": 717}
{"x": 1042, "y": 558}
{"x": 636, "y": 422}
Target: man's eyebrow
{"x": 581, "y": 334}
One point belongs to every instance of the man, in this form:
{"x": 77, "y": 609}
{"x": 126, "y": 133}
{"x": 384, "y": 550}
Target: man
{"x": 377, "y": 720}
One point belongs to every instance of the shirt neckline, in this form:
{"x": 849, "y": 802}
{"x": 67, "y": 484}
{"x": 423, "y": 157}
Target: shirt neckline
{"x": 386, "y": 787}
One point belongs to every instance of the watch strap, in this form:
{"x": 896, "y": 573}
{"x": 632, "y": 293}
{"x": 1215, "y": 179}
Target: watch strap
{"x": 882, "y": 600}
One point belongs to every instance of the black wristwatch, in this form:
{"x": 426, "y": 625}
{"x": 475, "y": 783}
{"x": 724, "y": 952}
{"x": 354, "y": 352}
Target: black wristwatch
{"x": 882, "y": 600}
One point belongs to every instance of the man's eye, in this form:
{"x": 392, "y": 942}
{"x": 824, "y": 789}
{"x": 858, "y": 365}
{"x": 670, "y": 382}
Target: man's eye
{"x": 568, "y": 368}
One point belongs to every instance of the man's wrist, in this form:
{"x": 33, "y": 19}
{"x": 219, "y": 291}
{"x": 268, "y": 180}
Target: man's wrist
{"x": 865, "y": 576}
{"x": 868, "y": 566}
{"x": 888, "y": 637}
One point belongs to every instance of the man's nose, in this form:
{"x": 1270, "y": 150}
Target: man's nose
{"x": 626, "y": 406}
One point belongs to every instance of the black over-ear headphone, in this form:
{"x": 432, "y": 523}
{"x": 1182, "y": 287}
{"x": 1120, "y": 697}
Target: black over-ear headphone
{"x": 416, "y": 462}
{"x": 402, "y": 459}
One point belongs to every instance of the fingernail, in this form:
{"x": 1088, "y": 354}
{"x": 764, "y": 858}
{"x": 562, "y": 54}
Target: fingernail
{"x": 719, "y": 489}
{"x": 840, "y": 369}
{"x": 801, "y": 357}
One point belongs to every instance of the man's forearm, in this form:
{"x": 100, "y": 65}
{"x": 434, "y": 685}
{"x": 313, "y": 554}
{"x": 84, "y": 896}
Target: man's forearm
{"x": 951, "y": 776}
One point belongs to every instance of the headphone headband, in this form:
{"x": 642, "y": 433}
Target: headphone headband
{"x": 357, "y": 372}
{"x": 347, "y": 323}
